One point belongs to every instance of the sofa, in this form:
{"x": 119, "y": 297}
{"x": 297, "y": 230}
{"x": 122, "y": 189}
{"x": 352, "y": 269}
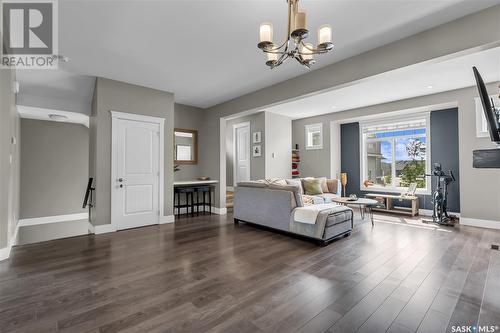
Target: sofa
{"x": 284, "y": 205}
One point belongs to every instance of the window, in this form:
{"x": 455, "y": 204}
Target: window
{"x": 481, "y": 123}
{"x": 395, "y": 154}
{"x": 314, "y": 136}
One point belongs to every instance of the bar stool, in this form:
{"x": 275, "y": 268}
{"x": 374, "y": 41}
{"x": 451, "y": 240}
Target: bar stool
{"x": 203, "y": 190}
{"x": 189, "y": 194}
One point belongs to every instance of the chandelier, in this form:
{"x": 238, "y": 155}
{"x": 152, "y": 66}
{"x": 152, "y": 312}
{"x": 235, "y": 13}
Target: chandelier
{"x": 294, "y": 45}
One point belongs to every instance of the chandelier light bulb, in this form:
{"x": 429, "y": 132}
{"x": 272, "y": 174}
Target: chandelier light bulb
{"x": 300, "y": 20}
{"x": 306, "y": 51}
{"x": 325, "y": 34}
{"x": 266, "y": 32}
{"x": 272, "y": 56}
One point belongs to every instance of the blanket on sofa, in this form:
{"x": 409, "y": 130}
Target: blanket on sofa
{"x": 311, "y": 220}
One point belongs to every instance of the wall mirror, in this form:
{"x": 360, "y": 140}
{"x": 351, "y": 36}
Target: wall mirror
{"x": 185, "y": 146}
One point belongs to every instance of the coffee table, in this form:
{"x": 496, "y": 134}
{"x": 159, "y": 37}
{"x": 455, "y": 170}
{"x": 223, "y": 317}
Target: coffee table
{"x": 363, "y": 203}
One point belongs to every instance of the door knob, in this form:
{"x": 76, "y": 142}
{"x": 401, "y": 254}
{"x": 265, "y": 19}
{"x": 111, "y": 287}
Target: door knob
{"x": 121, "y": 185}
{"x": 120, "y": 180}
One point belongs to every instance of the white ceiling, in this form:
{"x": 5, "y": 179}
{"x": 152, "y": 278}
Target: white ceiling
{"x": 419, "y": 80}
{"x": 205, "y": 51}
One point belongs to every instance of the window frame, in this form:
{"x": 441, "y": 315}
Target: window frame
{"x": 313, "y": 128}
{"x": 364, "y": 158}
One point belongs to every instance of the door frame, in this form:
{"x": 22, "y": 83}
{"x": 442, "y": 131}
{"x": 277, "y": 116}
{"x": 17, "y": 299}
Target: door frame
{"x": 115, "y": 116}
{"x": 249, "y": 149}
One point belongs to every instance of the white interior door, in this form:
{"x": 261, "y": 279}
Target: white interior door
{"x": 242, "y": 153}
{"x": 136, "y": 183}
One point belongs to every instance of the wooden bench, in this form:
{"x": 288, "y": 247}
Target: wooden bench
{"x": 388, "y": 205}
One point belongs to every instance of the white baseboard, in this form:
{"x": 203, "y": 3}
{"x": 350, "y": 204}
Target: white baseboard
{"x": 219, "y": 211}
{"x": 490, "y": 224}
{"x": 104, "y": 229}
{"x": 428, "y": 212}
{"x": 167, "y": 219}
{"x": 13, "y": 240}
{"x": 5, "y": 253}
{"x": 91, "y": 228}
{"x": 53, "y": 219}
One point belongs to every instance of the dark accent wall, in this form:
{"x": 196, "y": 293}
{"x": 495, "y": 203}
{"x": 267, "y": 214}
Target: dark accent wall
{"x": 349, "y": 152}
{"x": 444, "y": 150}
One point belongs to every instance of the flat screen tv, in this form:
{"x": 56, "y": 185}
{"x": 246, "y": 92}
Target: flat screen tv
{"x": 490, "y": 112}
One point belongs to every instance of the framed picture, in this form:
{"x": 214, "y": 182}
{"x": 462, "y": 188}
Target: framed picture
{"x": 257, "y": 137}
{"x": 257, "y": 151}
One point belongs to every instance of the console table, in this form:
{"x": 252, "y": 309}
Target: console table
{"x": 192, "y": 189}
{"x": 390, "y": 207}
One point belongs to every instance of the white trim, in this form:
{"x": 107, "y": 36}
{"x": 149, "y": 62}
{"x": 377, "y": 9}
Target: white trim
{"x": 249, "y": 150}
{"x": 335, "y": 150}
{"x": 104, "y": 229}
{"x": 91, "y": 228}
{"x": 5, "y": 253}
{"x": 306, "y": 134}
{"x": 230, "y": 188}
{"x": 114, "y": 137}
{"x": 481, "y": 122}
{"x": 490, "y": 224}
{"x": 363, "y": 157}
{"x": 165, "y": 219}
{"x": 136, "y": 117}
{"x": 53, "y": 219}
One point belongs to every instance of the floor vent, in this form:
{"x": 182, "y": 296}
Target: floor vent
{"x": 494, "y": 247}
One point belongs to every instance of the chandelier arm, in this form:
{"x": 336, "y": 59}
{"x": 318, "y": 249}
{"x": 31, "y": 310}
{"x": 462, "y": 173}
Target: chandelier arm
{"x": 313, "y": 50}
{"x": 276, "y": 48}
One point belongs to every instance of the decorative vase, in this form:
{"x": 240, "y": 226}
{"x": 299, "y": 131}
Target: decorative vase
{"x": 343, "y": 181}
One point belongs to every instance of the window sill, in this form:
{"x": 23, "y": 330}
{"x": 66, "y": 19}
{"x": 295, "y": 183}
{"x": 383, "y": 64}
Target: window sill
{"x": 393, "y": 190}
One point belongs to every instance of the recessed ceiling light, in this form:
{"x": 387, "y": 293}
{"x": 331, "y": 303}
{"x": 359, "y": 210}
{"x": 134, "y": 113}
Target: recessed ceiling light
{"x": 58, "y": 117}
{"x": 430, "y": 87}
{"x": 334, "y": 106}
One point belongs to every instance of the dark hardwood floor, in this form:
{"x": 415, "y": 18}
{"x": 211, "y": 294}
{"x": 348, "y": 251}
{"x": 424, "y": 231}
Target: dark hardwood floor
{"x": 205, "y": 274}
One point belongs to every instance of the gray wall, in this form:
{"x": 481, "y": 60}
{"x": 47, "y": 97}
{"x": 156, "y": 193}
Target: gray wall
{"x": 313, "y": 162}
{"x": 112, "y": 95}
{"x": 473, "y": 182}
{"x": 278, "y": 156}
{"x": 54, "y": 168}
{"x": 467, "y": 33}
{"x": 9, "y": 159}
{"x": 257, "y": 164}
{"x": 190, "y": 117}
{"x": 444, "y": 150}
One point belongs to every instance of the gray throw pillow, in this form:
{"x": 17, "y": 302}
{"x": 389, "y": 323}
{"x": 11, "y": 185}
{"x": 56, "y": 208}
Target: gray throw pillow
{"x": 296, "y": 182}
{"x": 292, "y": 188}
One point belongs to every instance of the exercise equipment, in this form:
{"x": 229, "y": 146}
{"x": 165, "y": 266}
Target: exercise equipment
{"x": 440, "y": 196}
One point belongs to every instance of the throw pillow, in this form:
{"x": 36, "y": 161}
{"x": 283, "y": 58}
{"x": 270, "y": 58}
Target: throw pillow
{"x": 276, "y": 181}
{"x": 312, "y": 186}
{"x": 296, "y": 182}
{"x": 292, "y": 188}
{"x": 332, "y": 185}
{"x": 324, "y": 186}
